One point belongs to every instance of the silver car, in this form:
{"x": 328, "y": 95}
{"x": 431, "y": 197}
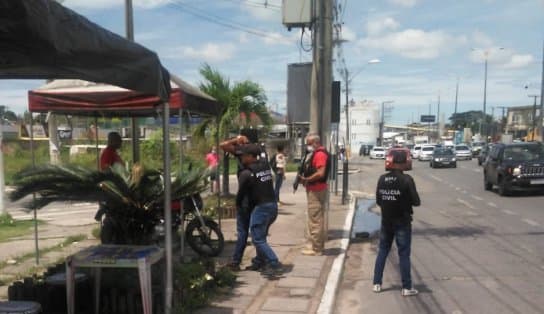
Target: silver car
{"x": 463, "y": 152}
{"x": 426, "y": 152}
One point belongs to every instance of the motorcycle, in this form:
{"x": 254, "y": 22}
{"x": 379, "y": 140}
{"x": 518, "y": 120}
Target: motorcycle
{"x": 202, "y": 233}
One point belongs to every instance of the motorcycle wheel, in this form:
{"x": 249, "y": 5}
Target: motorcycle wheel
{"x": 206, "y": 240}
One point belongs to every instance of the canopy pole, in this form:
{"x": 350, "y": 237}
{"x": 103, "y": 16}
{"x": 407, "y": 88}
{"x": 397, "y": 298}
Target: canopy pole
{"x": 220, "y": 212}
{"x": 96, "y": 143}
{"x": 36, "y": 246}
{"x": 167, "y": 208}
{"x": 181, "y": 209}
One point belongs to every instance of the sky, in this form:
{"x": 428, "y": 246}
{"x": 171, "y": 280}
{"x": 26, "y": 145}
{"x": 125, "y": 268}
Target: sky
{"x": 425, "y": 48}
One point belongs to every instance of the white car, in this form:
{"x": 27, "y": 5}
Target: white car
{"x": 377, "y": 153}
{"x": 415, "y": 151}
{"x": 462, "y": 151}
{"x": 426, "y": 152}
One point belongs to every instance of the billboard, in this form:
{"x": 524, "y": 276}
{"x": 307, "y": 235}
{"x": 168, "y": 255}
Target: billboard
{"x": 428, "y": 118}
{"x": 299, "y": 82}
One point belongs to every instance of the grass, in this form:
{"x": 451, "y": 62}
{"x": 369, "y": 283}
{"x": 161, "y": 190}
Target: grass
{"x": 10, "y": 228}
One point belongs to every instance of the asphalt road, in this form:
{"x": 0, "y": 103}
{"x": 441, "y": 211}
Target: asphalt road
{"x": 473, "y": 251}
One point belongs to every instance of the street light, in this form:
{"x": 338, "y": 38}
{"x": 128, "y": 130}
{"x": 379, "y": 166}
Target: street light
{"x": 482, "y": 123}
{"x": 347, "y": 146}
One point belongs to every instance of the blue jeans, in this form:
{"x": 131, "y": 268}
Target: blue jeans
{"x": 402, "y": 233}
{"x": 277, "y": 186}
{"x": 262, "y": 217}
{"x": 242, "y": 231}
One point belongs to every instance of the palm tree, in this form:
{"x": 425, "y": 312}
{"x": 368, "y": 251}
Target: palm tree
{"x": 133, "y": 200}
{"x": 245, "y": 106}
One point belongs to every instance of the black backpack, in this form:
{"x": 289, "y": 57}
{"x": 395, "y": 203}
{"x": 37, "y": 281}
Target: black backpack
{"x": 311, "y": 170}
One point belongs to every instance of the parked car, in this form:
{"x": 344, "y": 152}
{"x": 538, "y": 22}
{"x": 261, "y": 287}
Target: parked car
{"x": 377, "y": 152}
{"x": 389, "y": 158}
{"x": 426, "y": 152}
{"x": 483, "y": 153}
{"x": 443, "y": 157}
{"x": 462, "y": 151}
{"x": 515, "y": 167}
{"x": 415, "y": 151}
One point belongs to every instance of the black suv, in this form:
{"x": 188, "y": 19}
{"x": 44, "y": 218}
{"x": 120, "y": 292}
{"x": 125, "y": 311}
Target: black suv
{"x": 515, "y": 167}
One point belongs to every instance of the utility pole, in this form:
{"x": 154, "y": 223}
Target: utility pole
{"x": 541, "y": 122}
{"x": 320, "y": 102}
{"x": 129, "y": 25}
{"x": 438, "y": 130}
{"x": 533, "y": 128}
{"x": 456, "y": 96}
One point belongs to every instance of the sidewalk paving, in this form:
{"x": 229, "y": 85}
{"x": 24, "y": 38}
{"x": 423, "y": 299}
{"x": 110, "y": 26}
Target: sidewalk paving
{"x": 308, "y": 286}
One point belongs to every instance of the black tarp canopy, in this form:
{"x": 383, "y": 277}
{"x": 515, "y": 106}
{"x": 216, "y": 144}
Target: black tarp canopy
{"x": 41, "y": 39}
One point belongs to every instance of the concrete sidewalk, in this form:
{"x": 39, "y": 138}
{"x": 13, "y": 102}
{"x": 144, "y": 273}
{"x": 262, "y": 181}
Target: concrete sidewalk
{"x": 308, "y": 286}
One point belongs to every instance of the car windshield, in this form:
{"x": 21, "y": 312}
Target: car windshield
{"x": 524, "y": 153}
{"x": 427, "y": 149}
{"x": 461, "y": 147}
{"x": 378, "y": 149}
{"x": 443, "y": 152}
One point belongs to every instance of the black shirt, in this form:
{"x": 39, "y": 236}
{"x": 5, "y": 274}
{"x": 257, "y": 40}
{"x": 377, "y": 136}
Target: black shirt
{"x": 396, "y": 194}
{"x": 255, "y": 181}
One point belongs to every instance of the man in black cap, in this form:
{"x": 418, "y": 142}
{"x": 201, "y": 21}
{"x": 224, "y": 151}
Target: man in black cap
{"x": 396, "y": 194}
{"x": 256, "y": 181}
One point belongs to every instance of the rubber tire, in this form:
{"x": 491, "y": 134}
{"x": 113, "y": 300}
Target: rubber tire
{"x": 455, "y": 165}
{"x": 503, "y": 191}
{"x": 199, "y": 242}
{"x": 431, "y": 165}
{"x": 488, "y": 186}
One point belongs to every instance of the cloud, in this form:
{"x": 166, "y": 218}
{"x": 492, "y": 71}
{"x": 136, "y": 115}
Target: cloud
{"x": 414, "y": 43}
{"x": 519, "y": 61}
{"x": 480, "y": 39}
{"x": 348, "y": 34}
{"x": 377, "y": 27}
{"x": 404, "y": 3}
{"x": 210, "y": 52}
{"x": 279, "y": 39}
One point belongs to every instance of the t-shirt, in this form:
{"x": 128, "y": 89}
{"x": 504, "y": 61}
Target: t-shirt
{"x": 280, "y": 162}
{"x": 256, "y": 183}
{"x": 396, "y": 194}
{"x": 109, "y": 157}
{"x": 212, "y": 160}
{"x": 319, "y": 160}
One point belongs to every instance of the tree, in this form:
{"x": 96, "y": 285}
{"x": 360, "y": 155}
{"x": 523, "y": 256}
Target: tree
{"x": 245, "y": 106}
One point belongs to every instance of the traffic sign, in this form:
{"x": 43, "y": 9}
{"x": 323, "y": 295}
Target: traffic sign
{"x": 427, "y": 118}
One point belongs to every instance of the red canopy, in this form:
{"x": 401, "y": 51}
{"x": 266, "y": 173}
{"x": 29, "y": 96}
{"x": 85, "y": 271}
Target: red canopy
{"x": 77, "y": 97}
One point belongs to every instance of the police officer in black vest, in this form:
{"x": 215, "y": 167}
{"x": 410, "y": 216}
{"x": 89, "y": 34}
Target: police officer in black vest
{"x": 396, "y": 194}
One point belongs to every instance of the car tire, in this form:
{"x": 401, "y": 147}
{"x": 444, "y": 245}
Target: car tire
{"x": 454, "y": 165}
{"x": 503, "y": 190}
{"x": 479, "y": 162}
{"x": 488, "y": 186}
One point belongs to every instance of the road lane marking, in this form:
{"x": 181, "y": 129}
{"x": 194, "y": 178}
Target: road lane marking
{"x": 467, "y": 204}
{"x": 530, "y": 222}
{"x": 436, "y": 178}
{"x": 476, "y": 197}
{"x": 509, "y": 212}
{"x": 492, "y": 204}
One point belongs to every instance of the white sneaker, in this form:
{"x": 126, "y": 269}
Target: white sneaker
{"x": 408, "y": 292}
{"x": 377, "y": 288}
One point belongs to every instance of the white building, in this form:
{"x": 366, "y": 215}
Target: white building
{"x": 364, "y": 124}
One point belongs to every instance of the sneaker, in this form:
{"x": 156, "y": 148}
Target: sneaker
{"x": 273, "y": 270}
{"x": 408, "y": 292}
{"x": 254, "y": 267}
{"x": 233, "y": 266}
{"x": 377, "y": 288}
{"x": 311, "y": 252}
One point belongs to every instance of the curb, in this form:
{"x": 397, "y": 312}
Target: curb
{"x": 326, "y": 305}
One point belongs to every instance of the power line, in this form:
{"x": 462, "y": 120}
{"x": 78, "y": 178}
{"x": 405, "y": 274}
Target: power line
{"x": 219, "y": 20}
{"x": 264, "y": 5}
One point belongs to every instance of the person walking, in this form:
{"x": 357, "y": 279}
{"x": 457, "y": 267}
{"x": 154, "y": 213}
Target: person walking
{"x": 278, "y": 163}
{"x": 396, "y": 193}
{"x": 212, "y": 161}
{"x": 255, "y": 181}
{"x": 314, "y": 178}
